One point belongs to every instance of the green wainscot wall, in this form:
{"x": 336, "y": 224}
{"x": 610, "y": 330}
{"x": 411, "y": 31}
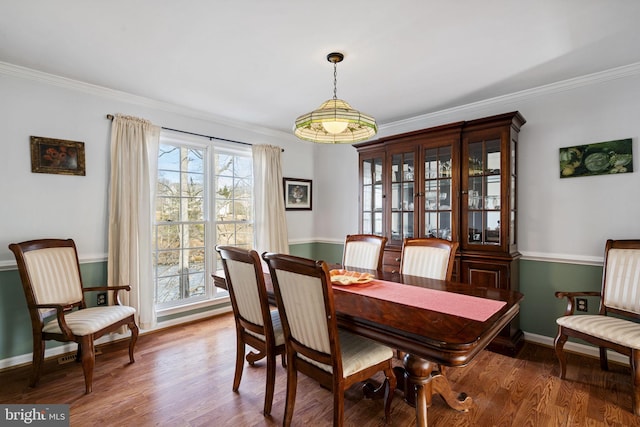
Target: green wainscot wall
{"x": 539, "y": 280}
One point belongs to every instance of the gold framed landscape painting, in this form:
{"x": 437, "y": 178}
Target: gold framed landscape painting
{"x": 602, "y": 158}
{"x": 57, "y": 156}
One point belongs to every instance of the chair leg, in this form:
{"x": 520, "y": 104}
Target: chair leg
{"x": 38, "y": 359}
{"x": 338, "y": 407}
{"x": 292, "y": 382}
{"x": 240, "y": 350}
{"x": 604, "y": 359}
{"x": 561, "y": 339}
{"x": 134, "y": 338}
{"x": 271, "y": 382}
{"x": 389, "y": 390}
{"x": 88, "y": 361}
{"x": 635, "y": 377}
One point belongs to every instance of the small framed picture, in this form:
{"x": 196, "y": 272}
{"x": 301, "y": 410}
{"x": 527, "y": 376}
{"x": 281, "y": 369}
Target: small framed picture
{"x": 57, "y": 156}
{"x": 297, "y": 194}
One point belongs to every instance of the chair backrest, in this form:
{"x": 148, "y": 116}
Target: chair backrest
{"x": 621, "y": 277}
{"x": 305, "y": 300}
{"x": 247, "y": 289}
{"x": 364, "y": 251}
{"x": 430, "y": 257}
{"x": 50, "y": 272}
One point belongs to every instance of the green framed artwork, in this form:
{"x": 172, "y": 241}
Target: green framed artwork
{"x": 602, "y": 158}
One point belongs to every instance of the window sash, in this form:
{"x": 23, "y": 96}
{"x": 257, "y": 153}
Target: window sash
{"x": 185, "y": 262}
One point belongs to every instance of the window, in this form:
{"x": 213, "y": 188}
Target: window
{"x": 203, "y": 198}
{"x": 233, "y": 200}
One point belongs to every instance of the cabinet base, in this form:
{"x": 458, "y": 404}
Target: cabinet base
{"x": 508, "y": 346}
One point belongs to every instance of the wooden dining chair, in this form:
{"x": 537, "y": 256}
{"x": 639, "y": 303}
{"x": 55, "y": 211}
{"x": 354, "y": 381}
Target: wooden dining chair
{"x": 257, "y": 325}
{"x": 428, "y": 257}
{"x": 52, "y": 284}
{"x": 315, "y": 346}
{"x": 364, "y": 251}
{"x": 616, "y": 325}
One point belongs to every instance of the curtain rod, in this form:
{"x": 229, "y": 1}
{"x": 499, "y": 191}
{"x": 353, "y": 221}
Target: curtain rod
{"x": 111, "y": 117}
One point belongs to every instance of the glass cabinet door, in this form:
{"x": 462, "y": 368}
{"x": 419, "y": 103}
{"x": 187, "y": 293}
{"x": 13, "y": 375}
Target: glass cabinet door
{"x": 483, "y": 193}
{"x": 371, "y": 196}
{"x": 438, "y": 192}
{"x": 402, "y": 195}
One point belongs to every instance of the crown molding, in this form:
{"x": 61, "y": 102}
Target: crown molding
{"x": 561, "y": 86}
{"x": 17, "y": 71}
{"x": 51, "y": 79}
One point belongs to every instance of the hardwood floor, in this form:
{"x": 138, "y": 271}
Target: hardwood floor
{"x": 183, "y": 377}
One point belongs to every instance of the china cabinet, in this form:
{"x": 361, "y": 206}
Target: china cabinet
{"x": 457, "y": 182}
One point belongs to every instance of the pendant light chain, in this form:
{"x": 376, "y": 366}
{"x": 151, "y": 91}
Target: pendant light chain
{"x": 335, "y": 80}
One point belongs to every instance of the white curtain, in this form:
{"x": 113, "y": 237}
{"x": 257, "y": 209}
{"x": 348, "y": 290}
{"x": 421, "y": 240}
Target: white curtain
{"x": 270, "y": 221}
{"x": 134, "y": 158}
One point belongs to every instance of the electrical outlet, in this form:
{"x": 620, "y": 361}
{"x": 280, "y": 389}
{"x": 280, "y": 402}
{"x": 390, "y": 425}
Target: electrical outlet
{"x": 581, "y": 304}
{"x": 102, "y": 298}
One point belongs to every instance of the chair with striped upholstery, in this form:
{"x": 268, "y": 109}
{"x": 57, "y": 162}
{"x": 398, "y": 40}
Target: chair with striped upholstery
{"x": 428, "y": 257}
{"x": 620, "y": 297}
{"x": 52, "y": 284}
{"x": 364, "y": 251}
{"x": 315, "y": 346}
{"x": 257, "y": 325}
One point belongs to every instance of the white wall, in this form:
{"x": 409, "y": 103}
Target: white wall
{"x": 336, "y": 177}
{"x": 559, "y": 219}
{"x": 576, "y": 215}
{"x": 35, "y": 205}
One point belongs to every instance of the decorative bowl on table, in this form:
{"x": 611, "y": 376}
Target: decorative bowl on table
{"x": 346, "y": 277}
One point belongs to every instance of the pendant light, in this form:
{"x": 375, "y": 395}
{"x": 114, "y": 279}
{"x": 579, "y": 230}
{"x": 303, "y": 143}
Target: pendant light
{"x": 335, "y": 122}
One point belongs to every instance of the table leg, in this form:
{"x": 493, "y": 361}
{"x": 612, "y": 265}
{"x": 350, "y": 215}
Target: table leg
{"x": 422, "y": 380}
{"x": 418, "y": 385}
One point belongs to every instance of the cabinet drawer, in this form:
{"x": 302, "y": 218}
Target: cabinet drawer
{"x": 391, "y": 260}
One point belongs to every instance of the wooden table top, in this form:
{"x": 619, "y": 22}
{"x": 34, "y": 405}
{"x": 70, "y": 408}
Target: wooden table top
{"x": 442, "y": 338}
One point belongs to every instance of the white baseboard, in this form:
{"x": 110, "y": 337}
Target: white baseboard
{"x": 578, "y": 348}
{"x": 26, "y": 359}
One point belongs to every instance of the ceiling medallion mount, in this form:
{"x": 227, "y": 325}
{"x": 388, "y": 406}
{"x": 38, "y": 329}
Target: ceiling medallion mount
{"x": 335, "y": 57}
{"x": 335, "y": 122}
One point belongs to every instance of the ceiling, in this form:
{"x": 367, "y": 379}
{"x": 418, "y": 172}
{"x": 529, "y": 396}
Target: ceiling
{"x": 263, "y": 63}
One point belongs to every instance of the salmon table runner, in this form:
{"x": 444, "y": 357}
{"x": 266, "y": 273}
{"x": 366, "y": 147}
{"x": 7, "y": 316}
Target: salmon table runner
{"x": 467, "y": 306}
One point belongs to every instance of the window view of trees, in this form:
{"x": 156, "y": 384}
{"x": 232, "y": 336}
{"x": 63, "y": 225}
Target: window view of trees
{"x": 233, "y": 200}
{"x": 185, "y": 233}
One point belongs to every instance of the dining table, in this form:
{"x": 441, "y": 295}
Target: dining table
{"x": 433, "y": 323}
